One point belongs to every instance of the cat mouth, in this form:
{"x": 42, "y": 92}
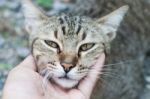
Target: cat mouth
{"x": 65, "y": 78}
{"x": 65, "y": 82}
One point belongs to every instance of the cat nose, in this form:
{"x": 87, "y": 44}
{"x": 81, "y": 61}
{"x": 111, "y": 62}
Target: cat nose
{"x": 67, "y": 66}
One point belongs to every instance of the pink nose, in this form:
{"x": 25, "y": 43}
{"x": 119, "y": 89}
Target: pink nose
{"x": 67, "y": 67}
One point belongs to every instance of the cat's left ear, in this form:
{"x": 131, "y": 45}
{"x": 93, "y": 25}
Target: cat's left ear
{"x": 33, "y": 16}
{"x": 110, "y": 23}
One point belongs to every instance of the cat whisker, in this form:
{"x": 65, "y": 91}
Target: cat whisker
{"x": 82, "y": 72}
{"x": 110, "y": 75}
{"x": 106, "y": 73}
{"x": 104, "y": 83}
{"x": 51, "y": 66}
{"x": 101, "y": 77}
{"x": 46, "y": 71}
{"x": 45, "y": 82}
{"x": 120, "y": 63}
{"x": 43, "y": 72}
{"x": 112, "y": 70}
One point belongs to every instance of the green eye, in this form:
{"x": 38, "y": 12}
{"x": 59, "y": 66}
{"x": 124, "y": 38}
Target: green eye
{"x": 86, "y": 47}
{"x": 51, "y": 44}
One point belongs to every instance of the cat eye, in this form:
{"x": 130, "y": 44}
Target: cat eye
{"x": 51, "y": 44}
{"x": 86, "y": 47}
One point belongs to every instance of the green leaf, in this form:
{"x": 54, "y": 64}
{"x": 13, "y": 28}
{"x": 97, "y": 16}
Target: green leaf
{"x": 45, "y": 3}
{"x": 4, "y": 66}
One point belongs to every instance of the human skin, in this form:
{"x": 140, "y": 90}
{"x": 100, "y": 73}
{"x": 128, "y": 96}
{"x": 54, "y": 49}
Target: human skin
{"x": 24, "y": 82}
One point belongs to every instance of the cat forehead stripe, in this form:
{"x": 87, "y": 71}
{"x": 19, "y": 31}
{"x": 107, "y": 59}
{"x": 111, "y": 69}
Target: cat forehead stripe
{"x": 83, "y": 35}
{"x": 56, "y": 33}
{"x": 64, "y": 30}
{"x": 78, "y": 19}
{"x": 66, "y": 18}
{"x": 61, "y": 20}
{"x": 78, "y": 30}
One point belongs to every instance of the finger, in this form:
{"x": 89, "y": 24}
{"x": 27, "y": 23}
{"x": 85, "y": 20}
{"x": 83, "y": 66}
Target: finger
{"x": 86, "y": 86}
{"x": 28, "y": 63}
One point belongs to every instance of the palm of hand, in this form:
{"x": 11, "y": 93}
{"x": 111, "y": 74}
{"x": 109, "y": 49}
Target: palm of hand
{"x": 24, "y": 82}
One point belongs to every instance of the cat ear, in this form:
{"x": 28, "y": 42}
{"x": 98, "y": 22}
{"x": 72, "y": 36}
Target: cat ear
{"x": 111, "y": 22}
{"x": 33, "y": 16}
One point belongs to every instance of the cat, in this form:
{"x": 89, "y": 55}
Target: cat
{"x": 66, "y": 46}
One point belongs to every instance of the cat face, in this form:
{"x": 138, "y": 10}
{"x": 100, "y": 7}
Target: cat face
{"x": 66, "y": 47}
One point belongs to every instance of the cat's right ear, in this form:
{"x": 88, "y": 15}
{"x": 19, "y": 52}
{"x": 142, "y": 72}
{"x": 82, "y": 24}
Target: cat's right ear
{"x": 111, "y": 22}
{"x": 33, "y": 16}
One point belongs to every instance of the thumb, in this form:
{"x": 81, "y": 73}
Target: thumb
{"x": 28, "y": 63}
{"x": 86, "y": 86}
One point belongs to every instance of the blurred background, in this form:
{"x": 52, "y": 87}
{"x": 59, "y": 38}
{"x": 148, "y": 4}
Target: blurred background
{"x": 14, "y": 45}
{"x": 13, "y": 38}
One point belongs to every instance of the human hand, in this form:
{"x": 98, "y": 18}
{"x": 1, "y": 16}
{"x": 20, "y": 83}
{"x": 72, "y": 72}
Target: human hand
{"x": 24, "y": 82}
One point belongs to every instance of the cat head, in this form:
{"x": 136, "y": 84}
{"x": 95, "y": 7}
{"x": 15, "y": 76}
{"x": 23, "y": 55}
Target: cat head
{"x": 66, "y": 47}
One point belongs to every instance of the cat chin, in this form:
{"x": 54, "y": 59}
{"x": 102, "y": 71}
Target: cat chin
{"x": 65, "y": 83}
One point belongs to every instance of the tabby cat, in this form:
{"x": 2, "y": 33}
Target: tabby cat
{"x": 66, "y": 47}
